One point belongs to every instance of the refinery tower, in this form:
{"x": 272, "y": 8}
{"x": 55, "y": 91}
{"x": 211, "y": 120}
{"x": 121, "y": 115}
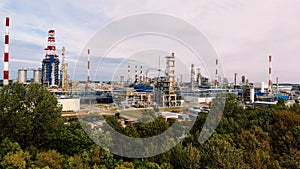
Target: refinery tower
{"x": 50, "y": 65}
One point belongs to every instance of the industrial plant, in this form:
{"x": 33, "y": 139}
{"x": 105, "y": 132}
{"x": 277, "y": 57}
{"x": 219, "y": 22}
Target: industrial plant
{"x": 143, "y": 91}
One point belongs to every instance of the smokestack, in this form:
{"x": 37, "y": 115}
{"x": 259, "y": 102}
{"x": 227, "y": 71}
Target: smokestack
{"x": 192, "y": 76}
{"x": 277, "y": 84}
{"x": 270, "y": 73}
{"x": 199, "y": 77}
{"x": 88, "y": 77}
{"x": 147, "y": 76}
{"x": 128, "y": 75}
{"x": 217, "y": 75}
{"x": 6, "y": 54}
{"x": 136, "y": 74}
{"x": 235, "y": 77}
{"x": 141, "y": 74}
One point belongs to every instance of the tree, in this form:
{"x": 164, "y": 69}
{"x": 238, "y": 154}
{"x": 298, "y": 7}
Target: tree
{"x": 96, "y": 155}
{"x": 231, "y": 104}
{"x": 126, "y": 165}
{"x": 29, "y": 115}
{"x": 187, "y": 157}
{"x": 221, "y": 154}
{"x": 50, "y": 158}
{"x": 74, "y": 135}
{"x": 20, "y": 160}
{"x": 281, "y": 102}
{"x": 256, "y": 146}
{"x": 190, "y": 157}
{"x": 7, "y": 146}
{"x": 75, "y": 162}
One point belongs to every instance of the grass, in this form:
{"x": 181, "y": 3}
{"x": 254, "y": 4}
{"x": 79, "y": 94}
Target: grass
{"x": 132, "y": 113}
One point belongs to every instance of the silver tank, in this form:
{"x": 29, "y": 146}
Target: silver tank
{"x": 37, "y": 75}
{"x": 22, "y": 76}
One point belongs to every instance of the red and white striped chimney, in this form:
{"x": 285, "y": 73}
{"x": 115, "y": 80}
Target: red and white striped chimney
{"x": 128, "y": 73}
{"x": 217, "y": 75}
{"x": 88, "y": 77}
{"x": 141, "y": 74}
{"x": 270, "y": 73}
{"x": 6, "y": 54}
{"x": 136, "y": 74}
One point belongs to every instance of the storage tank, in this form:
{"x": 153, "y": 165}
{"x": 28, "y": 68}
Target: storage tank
{"x": 262, "y": 89}
{"x": 37, "y": 75}
{"x": 22, "y": 76}
{"x": 252, "y": 95}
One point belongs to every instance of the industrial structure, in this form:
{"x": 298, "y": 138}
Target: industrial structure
{"x": 50, "y": 65}
{"x": 217, "y": 74}
{"x": 64, "y": 72}
{"x": 23, "y": 75}
{"x": 192, "y": 76}
{"x": 141, "y": 90}
{"x": 164, "y": 87}
{"x": 88, "y": 66}
{"x": 270, "y": 74}
{"x": 6, "y": 53}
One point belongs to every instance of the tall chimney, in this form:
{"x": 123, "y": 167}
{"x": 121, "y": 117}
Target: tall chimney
{"x": 6, "y": 54}
{"x": 217, "y": 75}
{"x": 270, "y": 74}
{"x": 88, "y": 76}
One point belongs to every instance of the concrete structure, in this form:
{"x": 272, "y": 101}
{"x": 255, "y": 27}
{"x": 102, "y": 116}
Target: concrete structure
{"x": 69, "y": 104}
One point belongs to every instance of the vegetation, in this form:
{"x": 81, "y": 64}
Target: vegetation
{"x": 33, "y": 135}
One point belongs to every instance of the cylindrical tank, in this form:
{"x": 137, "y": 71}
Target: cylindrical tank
{"x": 37, "y": 75}
{"x": 262, "y": 90}
{"x": 252, "y": 95}
{"x": 22, "y": 76}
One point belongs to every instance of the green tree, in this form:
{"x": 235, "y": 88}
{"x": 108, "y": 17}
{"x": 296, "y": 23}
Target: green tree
{"x": 125, "y": 165}
{"x": 231, "y": 104}
{"x": 29, "y": 115}
{"x": 186, "y": 157}
{"x": 166, "y": 166}
{"x": 74, "y": 135}
{"x": 221, "y": 154}
{"x": 19, "y": 160}
{"x": 107, "y": 159}
{"x": 7, "y": 146}
{"x": 75, "y": 162}
{"x": 281, "y": 102}
{"x": 50, "y": 158}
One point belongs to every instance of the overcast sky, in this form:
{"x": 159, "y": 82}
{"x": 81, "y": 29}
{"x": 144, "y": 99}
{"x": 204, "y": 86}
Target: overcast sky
{"x": 243, "y": 33}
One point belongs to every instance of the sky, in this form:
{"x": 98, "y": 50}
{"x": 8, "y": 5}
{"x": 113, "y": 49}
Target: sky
{"x": 242, "y": 33}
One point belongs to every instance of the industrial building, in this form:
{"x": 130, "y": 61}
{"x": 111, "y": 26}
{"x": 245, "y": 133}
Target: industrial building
{"x": 164, "y": 87}
{"x": 23, "y": 75}
{"x": 50, "y": 65}
{"x": 140, "y": 90}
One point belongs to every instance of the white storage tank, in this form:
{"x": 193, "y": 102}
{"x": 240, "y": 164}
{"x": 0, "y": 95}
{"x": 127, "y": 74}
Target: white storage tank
{"x": 252, "y": 95}
{"x": 22, "y": 76}
{"x": 37, "y": 75}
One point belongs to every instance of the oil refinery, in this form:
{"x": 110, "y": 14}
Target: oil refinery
{"x": 142, "y": 90}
